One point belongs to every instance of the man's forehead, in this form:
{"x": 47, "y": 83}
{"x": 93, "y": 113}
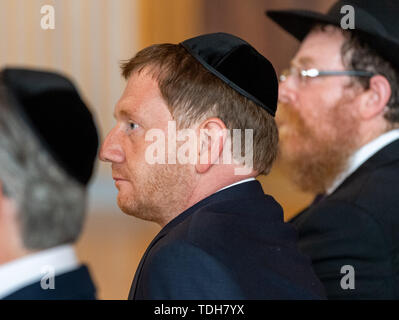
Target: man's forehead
{"x": 142, "y": 102}
{"x": 140, "y": 84}
{"x": 320, "y": 49}
{"x": 140, "y": 89}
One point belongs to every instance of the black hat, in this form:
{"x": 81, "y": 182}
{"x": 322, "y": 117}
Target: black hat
{"x": 376, "y": 22}
{"x": 239, "y": 65}
{"x": 52, "y": 107}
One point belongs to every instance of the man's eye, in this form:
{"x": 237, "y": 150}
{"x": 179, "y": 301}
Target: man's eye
{"x": 133, "y": 126}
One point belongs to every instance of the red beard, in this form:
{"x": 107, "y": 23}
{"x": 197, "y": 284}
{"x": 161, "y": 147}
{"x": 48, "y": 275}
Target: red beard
{"x": 315, "y": 155}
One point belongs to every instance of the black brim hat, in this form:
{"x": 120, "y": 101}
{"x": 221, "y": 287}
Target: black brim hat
{"x": 239, "y": 65}
{"x": 375, "y": 22}
{"x": 51, "y": 106}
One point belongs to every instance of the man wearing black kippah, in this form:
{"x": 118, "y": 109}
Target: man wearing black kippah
{"x": 339, "y": 135}
{"x": 48, "y": 146}
{"x": 194, "y": 128}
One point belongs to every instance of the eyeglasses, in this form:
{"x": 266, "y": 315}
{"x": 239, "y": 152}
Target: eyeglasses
{"x": 302, "y": 74}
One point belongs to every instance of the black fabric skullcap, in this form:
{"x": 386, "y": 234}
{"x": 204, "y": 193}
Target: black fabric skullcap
{"x": 239, "y": 65}
{"x": 52, "y": 107}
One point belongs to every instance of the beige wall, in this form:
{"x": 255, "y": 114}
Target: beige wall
{"x": 169, "y": 21}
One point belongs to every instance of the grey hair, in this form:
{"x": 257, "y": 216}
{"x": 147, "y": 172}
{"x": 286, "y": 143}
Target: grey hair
{"x": 51, "y": 205}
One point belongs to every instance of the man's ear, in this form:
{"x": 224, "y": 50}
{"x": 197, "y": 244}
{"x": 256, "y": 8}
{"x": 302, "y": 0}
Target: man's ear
{"x": 376, "y": 97}
{"x": 212, "y": 135}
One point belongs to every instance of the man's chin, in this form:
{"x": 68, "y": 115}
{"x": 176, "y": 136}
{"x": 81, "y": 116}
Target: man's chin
{"x": 123, "y": 201}
{"x": 128, "y": 209}
{"x": 136, "y": 209}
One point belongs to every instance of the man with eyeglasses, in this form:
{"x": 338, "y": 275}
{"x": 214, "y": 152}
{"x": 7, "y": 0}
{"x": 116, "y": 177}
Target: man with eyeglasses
{"x": 338, "y": 122}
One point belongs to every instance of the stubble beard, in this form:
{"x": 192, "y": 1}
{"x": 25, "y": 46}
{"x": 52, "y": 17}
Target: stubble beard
{"x": 160, "y": 195}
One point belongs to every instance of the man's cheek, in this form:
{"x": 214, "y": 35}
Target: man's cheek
{"x": 289, "y": 131}
{"x": 284, "y": 132}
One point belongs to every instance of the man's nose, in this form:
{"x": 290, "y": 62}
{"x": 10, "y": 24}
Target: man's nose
{"x": 111, "y": 149}
{"x": 286, "y": 91}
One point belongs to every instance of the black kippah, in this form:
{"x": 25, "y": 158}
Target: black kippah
{"x": 52, "y": 107}
{"x": 239, "y": 65}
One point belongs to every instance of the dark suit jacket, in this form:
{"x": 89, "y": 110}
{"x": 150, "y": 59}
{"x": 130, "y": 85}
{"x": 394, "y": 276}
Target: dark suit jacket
{"x": 231, "y": 245}
{"x": 73, "y": 285}
{"x": 358, "y": 225}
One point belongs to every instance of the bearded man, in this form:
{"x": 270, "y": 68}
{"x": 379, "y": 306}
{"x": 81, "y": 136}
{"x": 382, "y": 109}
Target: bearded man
{"x": 338, "y": 125}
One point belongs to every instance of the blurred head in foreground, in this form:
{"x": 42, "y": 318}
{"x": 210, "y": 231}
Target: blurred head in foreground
{"x": 48, "y": 144}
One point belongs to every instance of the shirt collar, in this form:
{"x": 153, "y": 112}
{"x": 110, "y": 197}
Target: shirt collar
{"x": 30, "y": 269}
{"x": 363, "y": 154}
{"x": 235, "y": 183}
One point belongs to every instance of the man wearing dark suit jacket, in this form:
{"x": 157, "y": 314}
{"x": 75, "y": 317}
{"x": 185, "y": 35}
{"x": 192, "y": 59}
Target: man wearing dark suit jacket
{"x": 338, "y": 130}
{"x": 221, "y": 237}
{"x": 48, "y": 146}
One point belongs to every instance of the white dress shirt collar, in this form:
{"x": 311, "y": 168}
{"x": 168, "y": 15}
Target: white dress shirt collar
{"x": 363, "y": 154}
{"x": 30, "y": 269}
{"x": 235, "y": 183}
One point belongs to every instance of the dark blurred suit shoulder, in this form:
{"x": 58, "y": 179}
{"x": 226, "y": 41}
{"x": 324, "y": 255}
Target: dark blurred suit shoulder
{"x": 74, "y": 285}
{"x": 231, "y": 245}
{"x": 357, "y": 225}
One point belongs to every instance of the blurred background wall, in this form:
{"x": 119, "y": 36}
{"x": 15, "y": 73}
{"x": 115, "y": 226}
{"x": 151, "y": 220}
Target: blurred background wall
{"x": 90, "y": 38}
